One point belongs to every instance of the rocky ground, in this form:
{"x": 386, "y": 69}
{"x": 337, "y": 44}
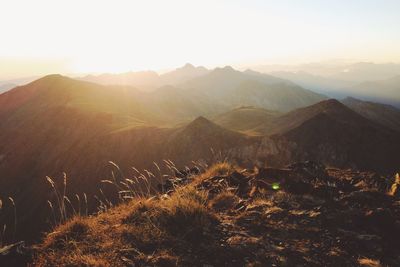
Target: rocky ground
{"x": 303, "y": 215}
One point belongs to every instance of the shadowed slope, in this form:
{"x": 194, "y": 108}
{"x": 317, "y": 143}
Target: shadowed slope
{"x": 385, "y": 115}
{"x": 231, "y": 88}
{"x": 334, "y": 134}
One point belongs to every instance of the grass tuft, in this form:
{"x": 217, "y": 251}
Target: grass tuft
{"x": 224, "y": 201}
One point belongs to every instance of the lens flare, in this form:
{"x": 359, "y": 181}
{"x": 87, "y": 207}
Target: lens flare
{"x": 275, "y": 186}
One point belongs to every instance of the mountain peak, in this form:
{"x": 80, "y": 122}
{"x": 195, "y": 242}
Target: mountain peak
{"x": 350, "y": 98}
{"x": 52, "y": 78}
{"x": 334, "y": 108}
{"x": 250, "y": 71}
{"x": 229, "y": 68}
{"x": 202, "y": 124}
{"x": 188, "y": 66}
{"x": 226, "y": 69}
{"x": 331, "y": 104}
{"x": 201, "y": 121}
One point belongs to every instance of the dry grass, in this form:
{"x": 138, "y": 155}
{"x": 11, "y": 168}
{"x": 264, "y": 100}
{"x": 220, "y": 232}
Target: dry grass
{"x": 197, "y": 226}
{"x": 224, "y": 201}
{"x": 394, "y": 190}
{"x": 222, "y": 168}
{"x": 183, "y": 215}
{"x": 137, "y": 232}
{"x": 74, "y": 230}
{"x": 369, "y": 262}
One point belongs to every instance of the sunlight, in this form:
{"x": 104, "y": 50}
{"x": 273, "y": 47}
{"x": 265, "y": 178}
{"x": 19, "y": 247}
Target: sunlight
{"x": 139, "y": 35}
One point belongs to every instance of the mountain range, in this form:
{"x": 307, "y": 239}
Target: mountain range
{"x": 58, "y": 125}
{"x": 148, "y": 80}
{"x": 363, "y": 80}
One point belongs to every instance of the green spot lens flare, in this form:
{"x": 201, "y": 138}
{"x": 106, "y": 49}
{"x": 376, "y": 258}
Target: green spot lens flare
{"x": 275, "y": 186}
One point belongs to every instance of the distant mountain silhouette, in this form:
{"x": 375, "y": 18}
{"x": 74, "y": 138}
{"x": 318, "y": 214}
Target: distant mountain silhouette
{"x": 230, "y": 88}
{"x": 9, "y": 84}
{"x": 321, "y": 84}
{"x": 6, "y": 87}
{"x": 363, "y": 80}
{"x": 148, "y": 80}
{"x": 367, "y": 71}
{"x": 183, "y": 74}
{"x": 385, "y": 91}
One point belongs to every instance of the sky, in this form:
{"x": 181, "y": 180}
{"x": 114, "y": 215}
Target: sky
{"x": 81, "y": 36}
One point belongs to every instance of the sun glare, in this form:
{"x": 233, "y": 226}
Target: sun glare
{"x": 118, "y": 36}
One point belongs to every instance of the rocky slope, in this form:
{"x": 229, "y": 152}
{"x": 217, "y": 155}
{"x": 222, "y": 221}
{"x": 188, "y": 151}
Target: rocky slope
{"x": 302, "y": 215}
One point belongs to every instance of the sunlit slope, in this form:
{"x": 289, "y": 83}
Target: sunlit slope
{"x": 246, "y": 119}
{"x": 55, "y": 91}
{"x": 231, "y": 88}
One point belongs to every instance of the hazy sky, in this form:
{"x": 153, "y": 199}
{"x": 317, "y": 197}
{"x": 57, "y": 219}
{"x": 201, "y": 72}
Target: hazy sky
{"x": 48, "y": 36}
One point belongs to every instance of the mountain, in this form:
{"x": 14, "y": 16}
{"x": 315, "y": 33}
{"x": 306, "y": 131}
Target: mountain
{"x": 385, "y": 91}
{"x": 231, "y": 88}
{"x": 201, "y": 138}
{"x": 148, "y": 80}
{"x": 367, "y": 71}
{"x": 385, "y": 115}
{"x": 363, "y": 80}
{"x": 56, "y": 91}
{"x": 336, "y": 135}
{"x": 224, "y": 89}
{"x": 339, "y": 70}
{"x": 324, "y": 85}
{"x": 185, "y": 73}
{"x": 331, "y": 108}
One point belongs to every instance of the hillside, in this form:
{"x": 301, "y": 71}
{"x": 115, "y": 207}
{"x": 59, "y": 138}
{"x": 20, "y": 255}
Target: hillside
{"x": 245, "y": 119}
{"x": 332, "y": 133}
{"x": 331, "y": 108}
{"x": 229, "y": 88}
{"x": 385, "y": 115}
{"x": 227, "y": 216}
